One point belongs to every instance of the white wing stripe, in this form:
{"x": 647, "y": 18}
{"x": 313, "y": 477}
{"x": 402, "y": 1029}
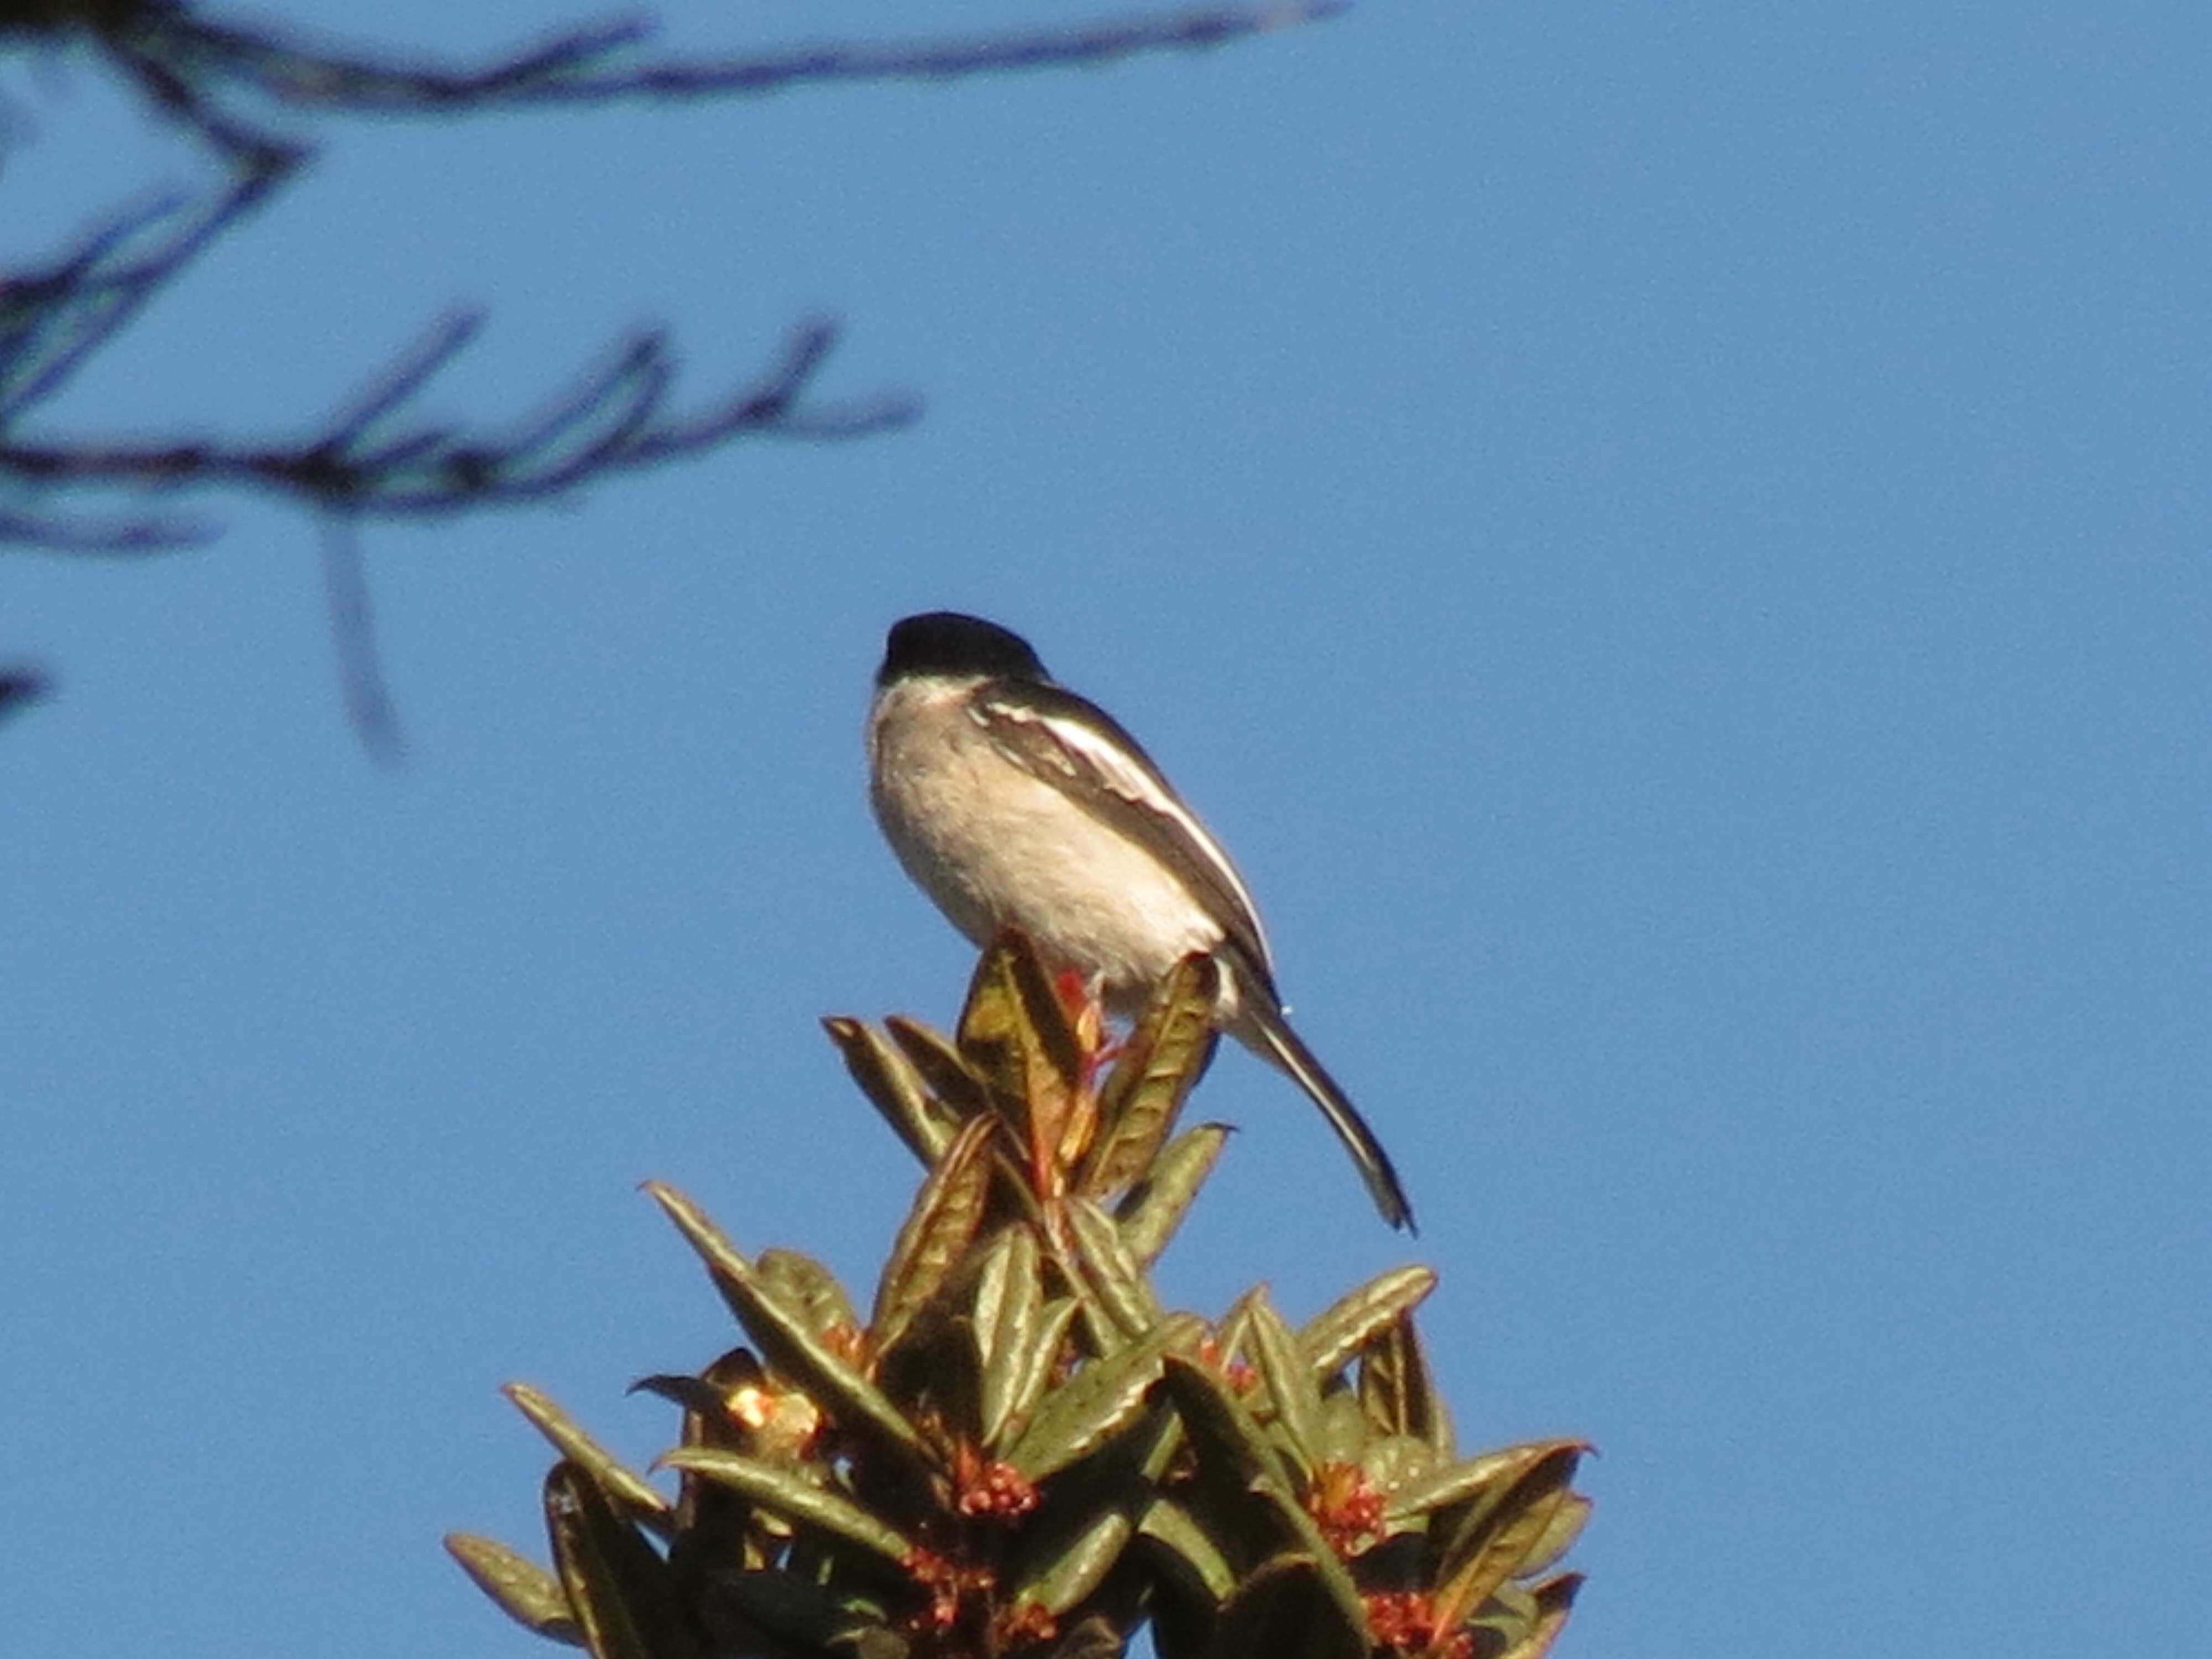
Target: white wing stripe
{"x": 1134, "y": 784}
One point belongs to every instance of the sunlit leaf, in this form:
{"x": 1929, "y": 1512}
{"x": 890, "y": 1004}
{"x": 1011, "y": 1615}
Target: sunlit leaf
{"x": 1102, "y": 1398}
{"x": 1165, "y": 1055}
{"x": 944, "y": 1220}
{"x": 616, "y": 1586}
{"x": 1155, "y": 1207}
{"x": 787, "y": 1338}
{"x": 1114, "y": 1275}
{"x": 1334, "y": 1335}
{"x": 1501, "y": 1536}
{"x": 939, "y": 1064}
{"x": 1554, "y": 1599}
{"x": 1397, "y": 1389}
{"x": 809, "y": 1290}
{"x": 1078, "y": 1565}
{"x": 525, "y": 1591}
{"x": 1171, "y": 1525}
{"x": 1489, "y": 1476}
{"x": 624, "y": 1485}
{"x": 1288, "y": 1378}
{"x": 798, "y": 1499}
{"x": 1014, "y": 1034}
{"x": 895, "y": 1087}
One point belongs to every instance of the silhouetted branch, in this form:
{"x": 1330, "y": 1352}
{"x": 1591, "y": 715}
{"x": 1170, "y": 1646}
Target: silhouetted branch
{"x": 362, "y": 684}
{"x": 597, "y": 62}
{"x": 616, "y": 420}
{"x": 20, "y": 685}
{"x": 52, "y": 318}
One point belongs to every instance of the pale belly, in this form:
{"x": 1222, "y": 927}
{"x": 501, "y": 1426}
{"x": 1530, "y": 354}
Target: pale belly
{"x": 996, "y": 848}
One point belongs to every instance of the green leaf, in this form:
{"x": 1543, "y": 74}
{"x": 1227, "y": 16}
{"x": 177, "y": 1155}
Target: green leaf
{"x": 616, "y": 1586}
{"x": 1340, "y": 1330}
{"x": 810, "y": 1289}
{"x": 1014, "y": 1033}
{"x": 1110, "y": 1273}
{"x": 626, "y": 1487}
{"x": 787, "y": 1340}
{"x": 1287, "y": 1608}
{"x": 1104, "y": 1397}
{"x": 892, "y": 1084}
{"x": 938, "y": 1229}
{"x": 1567, "y": 1523}
{"x": 1289, "y": 1382}
{"x": 798, "y": 1500}
{"x": 1242, "y": 1470}
{"x": 1078, "y": 1565}
{"x": 1163, "y": 1057}
{"x": 1396, "y": 1391}
{"x": 525, "y": 1591}
{"x": 1490, "y": 1477}
{"x": 1168, "y": 1524}
{"x": 1027, "y": 1370}
{"x": 1003, "y": 1322}
{"x": 1155, "y": 1207}
{"x": 1504, "y": 1531}
{"x": 1554, "y": 1599}
{"x": 1233, "y": 1450}
{"x": 939, "y": 1065}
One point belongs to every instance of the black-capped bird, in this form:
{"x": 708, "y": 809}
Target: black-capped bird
{"x": 1014, "y": 803}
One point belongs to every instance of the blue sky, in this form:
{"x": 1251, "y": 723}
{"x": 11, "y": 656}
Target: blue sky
{"x": 1671, "y": 541}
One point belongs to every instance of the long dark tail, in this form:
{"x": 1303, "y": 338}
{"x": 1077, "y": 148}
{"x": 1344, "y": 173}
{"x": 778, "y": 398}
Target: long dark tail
{"x": 1263, "y": 1019}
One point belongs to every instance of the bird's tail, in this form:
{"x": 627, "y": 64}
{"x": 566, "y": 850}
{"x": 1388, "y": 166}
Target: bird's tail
{"x": 1263, "y": 1020}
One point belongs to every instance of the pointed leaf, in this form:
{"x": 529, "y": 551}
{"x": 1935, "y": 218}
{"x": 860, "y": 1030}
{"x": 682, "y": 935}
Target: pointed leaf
{"x": 624, "y": 1485}
{"x": 1567, "y": 1524}
{"x": 1025, "y": 1371}
{"x": 525, "y": 1591}
{"x": 1155, "y": 1207}
{"x": 1286, "y": 1609}
{"x": 617, "y": 1587}
{"x": 1164, "y": 1057}
{"x": 787, "y": 1340}
{"x": 1015, "y": 1035}
{"x": 1396, "y": 1391}
{"x": 939, "y": 1065}
{"x": 945, "y": 1215}
{"x": 1334, "y": 1335}
{"x": 1101, "y": 1400}
{"x": 1009, "y": 1302}
{"x": 810, "y": 1289}
{"x": 1503, "y": 1535}
{"x": 1490, "y": 1477}
{"x": 1169, "y": 1524}
{"x": 1110, "y": 1271}
{"x": 1554, "y": 1599}
{"x": 892, "y": 1084}
{"x": 798, "y": 1500}
{"x": 1289, "y": 1380}
{"x": 1078, "y": 1565}
{"x": 1232, "y": 1447}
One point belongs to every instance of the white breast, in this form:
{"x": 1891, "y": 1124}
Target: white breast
{"x": 996, "y": 847}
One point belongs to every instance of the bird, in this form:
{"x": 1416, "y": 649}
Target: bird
{"x": 1012, "y": 802}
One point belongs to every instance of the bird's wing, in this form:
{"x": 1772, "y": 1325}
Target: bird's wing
{"x": 1075, "y": 746}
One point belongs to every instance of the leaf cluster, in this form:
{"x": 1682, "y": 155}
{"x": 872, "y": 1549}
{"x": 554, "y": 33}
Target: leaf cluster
{"x": 1019, "y": 1450}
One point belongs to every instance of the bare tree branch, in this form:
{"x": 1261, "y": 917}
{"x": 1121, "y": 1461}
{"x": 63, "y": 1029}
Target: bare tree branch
{"x": 597, "y": 62}
{"x": 22, "y": 685}
{"x": 614, "y": 420}
{"x": 362, "y": 684}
